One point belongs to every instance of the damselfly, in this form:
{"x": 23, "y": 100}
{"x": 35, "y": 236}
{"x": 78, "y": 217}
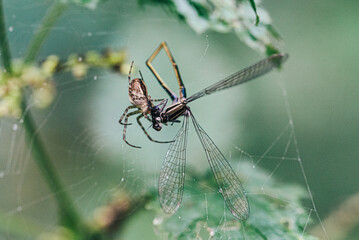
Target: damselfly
{"x": 172, "y": 175}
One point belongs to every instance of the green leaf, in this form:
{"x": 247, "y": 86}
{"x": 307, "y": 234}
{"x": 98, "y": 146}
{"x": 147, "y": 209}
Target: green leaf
{"x": 203, "y": 214}
{"x": 253, "y": 5}
{"x": 225, "y": 16}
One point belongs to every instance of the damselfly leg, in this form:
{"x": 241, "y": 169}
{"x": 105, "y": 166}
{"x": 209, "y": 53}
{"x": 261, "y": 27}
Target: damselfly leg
{"x": 172, "y": 175}
{"x": 149, "y": 61}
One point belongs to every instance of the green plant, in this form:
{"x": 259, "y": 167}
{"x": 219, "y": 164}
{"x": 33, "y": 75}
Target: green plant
{"x": 26, "y": 81}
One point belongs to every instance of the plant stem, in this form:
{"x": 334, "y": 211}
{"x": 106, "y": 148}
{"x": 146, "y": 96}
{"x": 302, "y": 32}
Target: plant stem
{"x": 68, "y": 215}
{"x": 4, "y": 43}
{"x": 42, "y": 32}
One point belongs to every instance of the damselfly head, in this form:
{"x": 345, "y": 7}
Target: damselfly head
{"x": 156, "y": 118}
{"x": 157, "y": 126}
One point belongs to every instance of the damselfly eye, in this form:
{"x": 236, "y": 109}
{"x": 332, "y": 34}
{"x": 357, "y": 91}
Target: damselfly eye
{"x": 157, "y": 127}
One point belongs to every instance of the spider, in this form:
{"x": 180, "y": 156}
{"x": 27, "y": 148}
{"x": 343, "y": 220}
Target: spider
{"x": 139, "y": 98}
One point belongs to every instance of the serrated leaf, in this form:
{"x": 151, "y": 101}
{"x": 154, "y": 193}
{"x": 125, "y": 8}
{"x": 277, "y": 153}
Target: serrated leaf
{"x": 203, "y": 214}
{"x": 253, "y": 5}
{"x": 227, "y": 16}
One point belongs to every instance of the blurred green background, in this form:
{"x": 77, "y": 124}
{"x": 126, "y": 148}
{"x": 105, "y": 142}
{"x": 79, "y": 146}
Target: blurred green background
{"x": 319, "y": 82}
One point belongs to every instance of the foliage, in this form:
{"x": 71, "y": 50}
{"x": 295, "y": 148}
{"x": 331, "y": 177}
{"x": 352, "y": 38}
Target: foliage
{"x": 39, "y": 78}
{"x": 270, "y": 217}
{"x": 226, "y": 16}
{"x": 203, "y": 216}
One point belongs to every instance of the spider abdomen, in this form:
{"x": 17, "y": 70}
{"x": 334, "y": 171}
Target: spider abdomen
{"x": 138, "y": 94}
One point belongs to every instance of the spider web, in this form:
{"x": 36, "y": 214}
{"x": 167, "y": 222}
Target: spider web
{"x": 80, "y": 129}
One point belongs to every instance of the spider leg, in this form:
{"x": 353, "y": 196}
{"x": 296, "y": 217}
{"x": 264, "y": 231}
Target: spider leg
{"x": 157, "y": 100}
{"x": 124, "y": 114}
{"x": 163, "y": 103}
{"x": 144, "y": 130}
{"x": 140, "y": 74}
{"x": 129, "y": 74}
{"x": 125, "y": 127}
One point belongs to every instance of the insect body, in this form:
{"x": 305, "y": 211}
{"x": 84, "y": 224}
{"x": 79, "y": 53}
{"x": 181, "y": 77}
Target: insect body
{"x": 172, "y": 175}
{"x": 138, "y": 95}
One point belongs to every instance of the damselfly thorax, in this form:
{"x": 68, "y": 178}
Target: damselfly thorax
{"x": 175, "y": 110}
